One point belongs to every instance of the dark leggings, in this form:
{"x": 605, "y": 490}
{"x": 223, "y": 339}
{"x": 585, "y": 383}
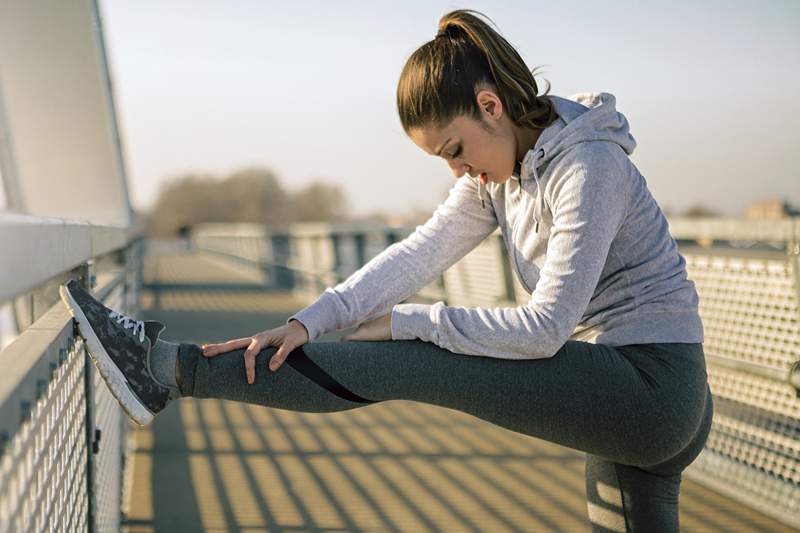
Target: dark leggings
{"x": 641, "y": 413}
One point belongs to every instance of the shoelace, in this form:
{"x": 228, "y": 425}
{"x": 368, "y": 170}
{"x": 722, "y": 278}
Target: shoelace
{"x": 137, "y": 326}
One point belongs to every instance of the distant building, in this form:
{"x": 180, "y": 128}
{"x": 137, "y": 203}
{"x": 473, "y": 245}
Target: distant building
{"x": 772, "y": 208}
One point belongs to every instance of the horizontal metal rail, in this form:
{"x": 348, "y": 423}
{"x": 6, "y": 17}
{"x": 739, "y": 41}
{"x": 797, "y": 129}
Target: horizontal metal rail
{"x": 786, "y": 230}
{"x": 752, "y": 369}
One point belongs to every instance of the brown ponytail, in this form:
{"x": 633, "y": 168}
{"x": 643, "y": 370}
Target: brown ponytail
{"x": 439, "y": 80}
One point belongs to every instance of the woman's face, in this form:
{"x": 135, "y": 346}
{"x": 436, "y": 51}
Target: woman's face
{"x": 483, "y": 149}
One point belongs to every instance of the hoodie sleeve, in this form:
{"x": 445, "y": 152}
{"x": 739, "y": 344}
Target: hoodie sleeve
{"x": 588, "y": 199}
{"x": 402, "y": 269}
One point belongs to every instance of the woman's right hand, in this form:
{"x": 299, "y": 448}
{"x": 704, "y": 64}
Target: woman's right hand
{"x": 286, "y": 338}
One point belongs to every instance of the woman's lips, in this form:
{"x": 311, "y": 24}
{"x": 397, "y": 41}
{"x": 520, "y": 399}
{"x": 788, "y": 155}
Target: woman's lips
{"x": 484, "y": 177}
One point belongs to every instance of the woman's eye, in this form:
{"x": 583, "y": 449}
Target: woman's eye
{"x": 456, "y": 153}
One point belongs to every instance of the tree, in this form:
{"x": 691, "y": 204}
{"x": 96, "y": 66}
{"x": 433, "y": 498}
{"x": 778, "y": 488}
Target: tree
{"x": 256, "y": 195}
{"x": 700, "y": 211}
{"x": 183, "y": 200}
{"x": 320, "y": 202}
{"x": 247, "y": 195}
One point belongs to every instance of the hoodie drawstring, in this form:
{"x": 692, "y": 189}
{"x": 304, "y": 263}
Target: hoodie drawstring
{"x": 538, "y": 208}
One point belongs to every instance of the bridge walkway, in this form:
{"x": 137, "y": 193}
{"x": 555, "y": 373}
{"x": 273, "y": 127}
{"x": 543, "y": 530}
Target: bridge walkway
{"x": 219, "y": 466}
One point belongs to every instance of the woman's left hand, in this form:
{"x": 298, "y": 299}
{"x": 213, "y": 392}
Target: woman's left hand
{"x": 377, "y": 329}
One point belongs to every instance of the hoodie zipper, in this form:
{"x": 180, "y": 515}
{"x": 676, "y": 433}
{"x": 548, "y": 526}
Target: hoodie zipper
{"x": 517, "y": 224}
{"x": 514, "y": 255}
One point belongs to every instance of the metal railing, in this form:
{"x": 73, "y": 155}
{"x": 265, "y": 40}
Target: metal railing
{"x": 62, "y": 434}
{"x": 747, "y": 275}
{"x": 305, "y": 258}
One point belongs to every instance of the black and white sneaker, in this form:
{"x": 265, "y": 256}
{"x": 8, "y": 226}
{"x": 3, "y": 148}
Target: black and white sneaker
{"x": 120, "y": 347}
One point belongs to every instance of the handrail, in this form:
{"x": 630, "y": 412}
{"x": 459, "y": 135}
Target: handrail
{"x": 35, "y": 249}
{"x": 785, "y": 230}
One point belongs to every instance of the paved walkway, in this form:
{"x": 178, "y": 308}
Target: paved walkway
{"x": 218, "y": 466}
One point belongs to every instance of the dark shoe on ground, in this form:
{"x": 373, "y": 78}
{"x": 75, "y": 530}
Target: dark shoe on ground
{"x": 120, "y": 347}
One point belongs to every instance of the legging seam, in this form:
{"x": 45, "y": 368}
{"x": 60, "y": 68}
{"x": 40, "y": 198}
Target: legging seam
{"x": 622, "y": 497}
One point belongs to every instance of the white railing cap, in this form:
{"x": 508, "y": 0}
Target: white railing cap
{"x": 736, "y": 229}
{"x": 34, "y": 249}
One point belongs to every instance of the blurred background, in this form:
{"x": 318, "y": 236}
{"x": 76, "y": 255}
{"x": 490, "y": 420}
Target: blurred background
{"x": 293, "y": 102}
{"x": 216, "y": 165}
{"x": 305, "y": 91}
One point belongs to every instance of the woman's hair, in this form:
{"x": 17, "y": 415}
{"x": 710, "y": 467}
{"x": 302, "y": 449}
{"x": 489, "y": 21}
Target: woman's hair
{"x": 439, "y": 80}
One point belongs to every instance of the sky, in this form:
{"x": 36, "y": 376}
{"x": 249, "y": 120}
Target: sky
{"x": 307, "y": 89}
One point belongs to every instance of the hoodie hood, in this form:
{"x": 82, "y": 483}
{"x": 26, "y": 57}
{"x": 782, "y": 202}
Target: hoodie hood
{"x": 581, "y": 117}
{"x": 584, "y": 117}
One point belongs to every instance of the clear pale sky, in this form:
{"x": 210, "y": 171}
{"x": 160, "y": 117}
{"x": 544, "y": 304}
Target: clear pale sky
{"x": 711, "y": 90}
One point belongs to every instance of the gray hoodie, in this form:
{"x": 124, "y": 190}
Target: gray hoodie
{"x": 585, "y": 237}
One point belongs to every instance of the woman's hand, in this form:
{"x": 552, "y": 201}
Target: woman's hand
{"x": 377, "y": 329}
{"x": 286, "y": 338}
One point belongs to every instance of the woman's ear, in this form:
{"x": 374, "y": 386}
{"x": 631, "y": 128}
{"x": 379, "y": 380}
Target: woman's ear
{"x": 490, "y": 104}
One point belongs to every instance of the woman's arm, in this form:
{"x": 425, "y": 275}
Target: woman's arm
{"x": 456, "y": 227}
{"x": 589, "y": 201}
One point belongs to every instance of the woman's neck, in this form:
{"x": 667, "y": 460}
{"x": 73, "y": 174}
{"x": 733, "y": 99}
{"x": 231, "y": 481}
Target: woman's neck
{"x": 526, "y": 139}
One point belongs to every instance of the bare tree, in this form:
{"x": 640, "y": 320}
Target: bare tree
{"x": 247, "y": 195}
{"x": 700, "y": 211}
{"x": 183, "y": 201}
{"x": 256, "y": 195}
{"x": 320, "y": 202}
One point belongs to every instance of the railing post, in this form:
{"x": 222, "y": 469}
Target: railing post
{"x": 391, "y": 237}
{"x": 280, "y": 244}
{"x": 88, "y": 280}
{"x": 336, "y": 239}
{"x": 793, "y": 250}
{"x": 361, "y": 249}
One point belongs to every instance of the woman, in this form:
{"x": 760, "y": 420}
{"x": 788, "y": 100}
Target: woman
{"x": 606, "y": 356}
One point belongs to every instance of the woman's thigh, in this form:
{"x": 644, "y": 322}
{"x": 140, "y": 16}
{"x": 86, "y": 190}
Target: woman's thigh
{"x": 637, "y": 405}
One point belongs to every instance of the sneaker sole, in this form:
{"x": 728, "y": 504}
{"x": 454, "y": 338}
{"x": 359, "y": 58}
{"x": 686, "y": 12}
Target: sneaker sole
{"x": 110, "y": 373}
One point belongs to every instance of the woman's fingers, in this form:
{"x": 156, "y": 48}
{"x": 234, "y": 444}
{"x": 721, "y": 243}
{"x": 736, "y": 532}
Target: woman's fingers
{"x": 286, "y": 338}
{"x": 280, "y": 356}
{"x": 210, "y": 350}
{"x": 250, "y": 359}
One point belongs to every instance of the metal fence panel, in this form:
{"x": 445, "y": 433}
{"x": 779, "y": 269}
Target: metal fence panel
{"x": 43, "y": 470}
{"x": 477, "y": 279}
{"x": 749, "y": 306}
{"x": 61, "y": 431}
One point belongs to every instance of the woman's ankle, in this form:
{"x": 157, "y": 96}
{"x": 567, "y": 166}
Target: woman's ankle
{"x": 185, "y": 363}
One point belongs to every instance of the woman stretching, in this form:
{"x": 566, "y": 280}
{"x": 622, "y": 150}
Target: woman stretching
{"x": 606, "y": 357}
